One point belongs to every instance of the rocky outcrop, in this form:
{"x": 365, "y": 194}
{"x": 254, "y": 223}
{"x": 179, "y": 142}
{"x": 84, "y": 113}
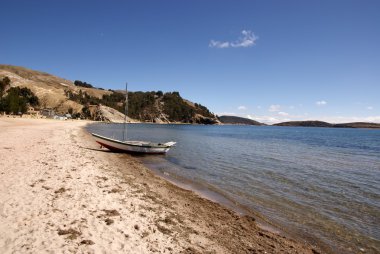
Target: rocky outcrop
{"x": 200, "y": 119}
{"x": 107, "y": 114}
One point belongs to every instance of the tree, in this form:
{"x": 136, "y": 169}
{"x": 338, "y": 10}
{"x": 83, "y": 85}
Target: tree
{"x": 15, "y": 103}
{"x": 82, "y": 84}
{"x": 6, "y": 81}
{"x": 17, "y": 100}
{"x": 176, "y": 108}
{"x": 86, "y": 112}
{"x": 3, "y": 85}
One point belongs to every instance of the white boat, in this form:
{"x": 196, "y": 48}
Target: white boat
{"x": 132, "y": 146}
{"x": 129, "y": 146}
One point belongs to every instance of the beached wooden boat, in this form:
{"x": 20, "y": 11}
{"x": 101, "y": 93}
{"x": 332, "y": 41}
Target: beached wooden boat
{"x": 132, "y": 146}
{"x": 129, "y": 146}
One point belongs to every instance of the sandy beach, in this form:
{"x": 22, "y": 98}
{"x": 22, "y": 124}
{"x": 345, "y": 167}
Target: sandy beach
{"x": 61, "y": 193}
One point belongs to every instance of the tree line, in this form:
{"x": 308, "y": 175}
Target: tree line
{"x": 82, "y": 84}
{"x": 145, "y": 106}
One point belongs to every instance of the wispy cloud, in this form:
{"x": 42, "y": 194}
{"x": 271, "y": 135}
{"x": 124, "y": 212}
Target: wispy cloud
{"x": 266, "y": 119}
{"x": 226, "y": 114}
{"x": 283, "y": 113}
{"x": 242, "y": 108}
{"x": 274, "y": 108}
{"x": 369, "y": 107}
{"x": 321, "y": 103}
{"x": 219, "y": 44}
{"x": 349, "y": 119}
{"x": 247, "y": 39}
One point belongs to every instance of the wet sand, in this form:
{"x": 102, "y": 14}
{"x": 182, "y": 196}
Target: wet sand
{"x": 61, "y": 193}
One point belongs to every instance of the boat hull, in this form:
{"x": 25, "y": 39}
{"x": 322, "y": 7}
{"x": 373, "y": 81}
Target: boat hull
{"x": 132, "y": 147}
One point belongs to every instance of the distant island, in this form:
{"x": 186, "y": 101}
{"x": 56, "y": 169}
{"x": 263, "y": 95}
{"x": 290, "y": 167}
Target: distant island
{"x": 245, "y": 121}
{"x": 238, "y": 120}
{"x": 325, "y": 124}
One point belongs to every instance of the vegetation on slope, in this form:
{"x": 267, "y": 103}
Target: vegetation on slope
{"x": 146, "y": 106}
{"x": 15, "y": 100}
{"x": 82, "y": 84}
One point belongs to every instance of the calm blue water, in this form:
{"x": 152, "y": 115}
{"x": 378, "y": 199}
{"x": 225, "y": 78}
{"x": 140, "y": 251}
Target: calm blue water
{"x": 322, "y": 184}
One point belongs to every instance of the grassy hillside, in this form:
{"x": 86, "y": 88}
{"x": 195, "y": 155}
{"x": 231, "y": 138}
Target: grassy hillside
{"x": 65, "y": 96}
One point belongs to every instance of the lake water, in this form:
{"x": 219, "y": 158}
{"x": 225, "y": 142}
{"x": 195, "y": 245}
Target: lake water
{"x": 321, "y": 184}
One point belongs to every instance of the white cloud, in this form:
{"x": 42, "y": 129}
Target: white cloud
{"x": 226, "y": 114}
{"x": 242, "y": 108}
{"x": 248, "y": 39}
{"x": 266, "y": 119}
{"x": 349, "y": 119}
{"x": 321, "y": 103}
{"x": 369, "y": 107}
{"x": 373, "y": 119}
{"x": 219, "y": 44}
{"x": 274, "y": 108}
{"x": 292, "y": 107}
{"x": 283, "y": 113}
{"x": 259, "y": 107}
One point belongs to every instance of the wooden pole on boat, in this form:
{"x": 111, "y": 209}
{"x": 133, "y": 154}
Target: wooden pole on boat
{"x": 125, "y": 112}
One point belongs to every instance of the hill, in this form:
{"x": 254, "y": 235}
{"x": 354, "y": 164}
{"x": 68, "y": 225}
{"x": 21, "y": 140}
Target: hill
{"x": 82, "y": 99}
{"x": 305, "y": 124}
{"x": 238, "y": 120}
{"x": 325, "y": 124}
{"x": 49, "y": 89}
{"x": 358, "y": 125}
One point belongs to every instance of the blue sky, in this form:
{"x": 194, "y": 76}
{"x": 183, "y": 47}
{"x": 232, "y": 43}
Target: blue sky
{"x": 269, "y": 60}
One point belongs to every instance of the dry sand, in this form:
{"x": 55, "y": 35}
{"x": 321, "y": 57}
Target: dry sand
{"x": 60, "y": 193}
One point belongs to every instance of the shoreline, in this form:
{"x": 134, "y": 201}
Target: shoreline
{"x": 212, "y": 194}
{"x": 215, "y": 195}
{"x": 65, "y": 194}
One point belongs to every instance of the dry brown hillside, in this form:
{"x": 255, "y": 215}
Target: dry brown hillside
{"x": 49, "y": 89}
